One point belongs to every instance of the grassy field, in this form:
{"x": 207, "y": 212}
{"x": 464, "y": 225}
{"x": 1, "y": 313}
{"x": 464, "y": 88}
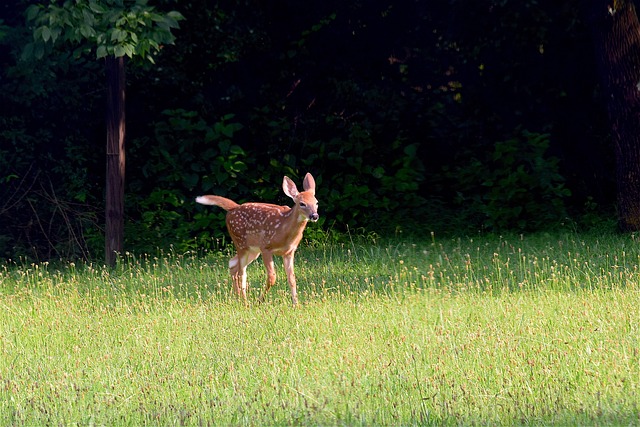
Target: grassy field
{"x": 491, "y": 330}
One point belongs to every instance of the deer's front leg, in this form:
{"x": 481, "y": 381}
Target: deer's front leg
{"x": 291, "y": 276}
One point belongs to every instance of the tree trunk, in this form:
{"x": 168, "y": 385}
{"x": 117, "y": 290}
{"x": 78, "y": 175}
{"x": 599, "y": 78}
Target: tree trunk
{"x": 115, "y": 118}
{"x": 617, "y": 40}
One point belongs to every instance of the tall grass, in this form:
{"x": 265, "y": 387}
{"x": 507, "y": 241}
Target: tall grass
{"x": 490, "y": 330}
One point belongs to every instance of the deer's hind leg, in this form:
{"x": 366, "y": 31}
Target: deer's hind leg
{"x": 267, "y": 257}
{"x": 238, "y": 270}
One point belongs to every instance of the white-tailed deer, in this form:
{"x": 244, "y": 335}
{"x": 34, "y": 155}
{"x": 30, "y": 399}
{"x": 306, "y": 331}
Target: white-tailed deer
{"x": 257, "y": 228}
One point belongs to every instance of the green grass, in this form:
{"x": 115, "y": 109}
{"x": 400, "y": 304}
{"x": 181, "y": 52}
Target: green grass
{"x": 491, "y": 330}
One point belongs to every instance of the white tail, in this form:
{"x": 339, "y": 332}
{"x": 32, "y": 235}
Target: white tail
{"x": 261, "y": 228}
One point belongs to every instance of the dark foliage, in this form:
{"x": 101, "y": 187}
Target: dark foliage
{"x": 414, "y": 116}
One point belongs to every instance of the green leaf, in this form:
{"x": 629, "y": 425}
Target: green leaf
{"x": 411, "y": 150}
{"x": 101, "y": 52}
{"x": 46, "y": 33}
{"x": 27, "y": 52}
{"x": 86, "y": 31}
{"x": 96, "y": 7}
{"x": 378, "y": 172}
{"x": 235, "y": 149}
{"x": 33, "y": 11}
{"x": 55, "y": 33}
{"x": 118, "y": 35}
{"x": 129, "y": 50}
{"x": 176, "y": 16}
{"x": 119, "y": 51}
{"x": 227, "y": 131}
{"x": 88, "y": 18}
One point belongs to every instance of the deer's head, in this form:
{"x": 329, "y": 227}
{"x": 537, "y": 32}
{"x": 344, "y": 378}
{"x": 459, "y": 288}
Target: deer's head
{"x": 305, "y": 202}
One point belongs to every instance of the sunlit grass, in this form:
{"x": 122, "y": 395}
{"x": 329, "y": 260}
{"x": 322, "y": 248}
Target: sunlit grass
{"x": 491, "y": 330}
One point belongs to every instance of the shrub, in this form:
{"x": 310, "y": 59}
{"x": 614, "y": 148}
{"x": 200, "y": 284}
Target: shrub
{"x": 516, "y": 185}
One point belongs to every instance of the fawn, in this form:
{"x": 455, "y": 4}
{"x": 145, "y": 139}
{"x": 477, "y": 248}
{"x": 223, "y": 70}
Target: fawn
{"x": 257, "y": 228}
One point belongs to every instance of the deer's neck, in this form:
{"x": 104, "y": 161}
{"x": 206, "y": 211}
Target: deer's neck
{"x": 295, "y": 223}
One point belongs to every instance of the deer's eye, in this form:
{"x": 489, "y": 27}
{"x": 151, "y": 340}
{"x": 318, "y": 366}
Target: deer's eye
{"x": 303, "y": 205}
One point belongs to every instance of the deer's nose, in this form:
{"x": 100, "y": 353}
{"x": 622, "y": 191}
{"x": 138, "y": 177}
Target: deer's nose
{"x": 314, "y": 217}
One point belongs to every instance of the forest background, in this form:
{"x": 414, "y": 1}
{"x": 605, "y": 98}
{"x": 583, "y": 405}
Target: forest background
{"x": 453, "y": 117}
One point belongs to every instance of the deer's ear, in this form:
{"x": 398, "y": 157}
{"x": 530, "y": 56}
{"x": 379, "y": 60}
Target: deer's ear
{"x": 289, "y": 187}
{"x": 309, "y": 184}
